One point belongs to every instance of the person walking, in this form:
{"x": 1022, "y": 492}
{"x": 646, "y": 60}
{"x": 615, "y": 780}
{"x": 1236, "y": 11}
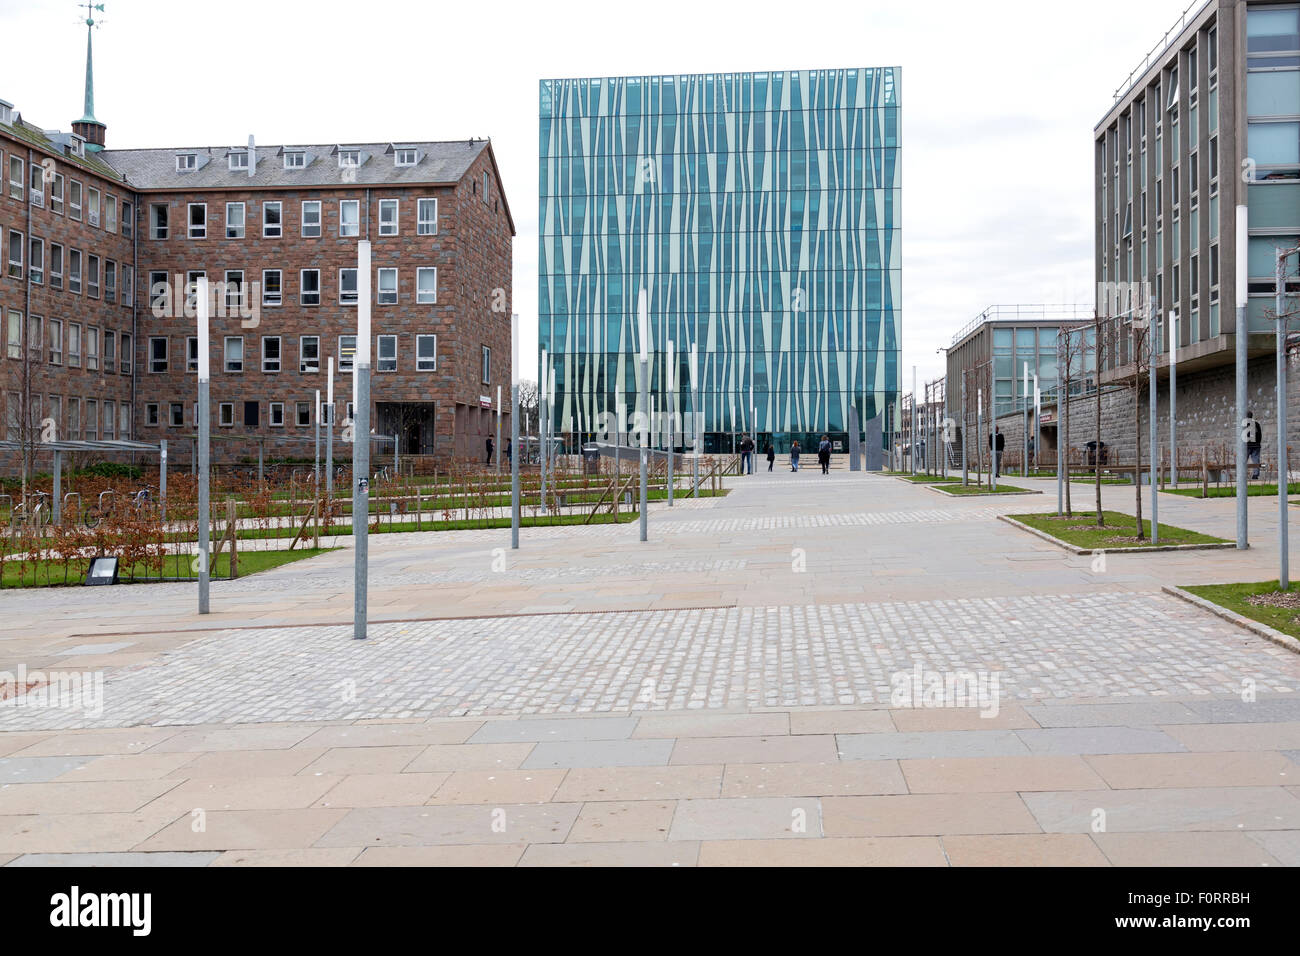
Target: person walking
{"x": 997, "y": 441}
{"x": 824, "y": 454}
{"x": 490, "y": 449}
{"x": 771, "y": 456}
{"x": 1254, "y": 444}
{"x": 509, "y": 454}
{"x": 747, "y": 456}
{"x": 794, "y": 455}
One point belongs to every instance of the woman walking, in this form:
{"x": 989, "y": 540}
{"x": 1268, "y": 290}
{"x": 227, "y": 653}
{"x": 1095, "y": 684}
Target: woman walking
{"x": 794, "y": 455}
{"x": 771, "y": 456}
{"x": 824, "y": 454}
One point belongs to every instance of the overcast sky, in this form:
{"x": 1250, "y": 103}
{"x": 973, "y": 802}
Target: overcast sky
{"x": 998, "y": 102}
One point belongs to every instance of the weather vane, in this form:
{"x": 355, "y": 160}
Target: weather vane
{"x": 90, "y": 12}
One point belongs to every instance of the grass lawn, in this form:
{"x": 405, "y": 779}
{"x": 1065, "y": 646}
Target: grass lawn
{"x": 973, "y": 489}
{"x": 924, "y": 479}
{"x": 1230, "y": 491}
{"x": 344, "y": 526}
{"x": 1119, "y": 532}
{"x": 54, "y": 573}
{"x": 1234, "y": 598}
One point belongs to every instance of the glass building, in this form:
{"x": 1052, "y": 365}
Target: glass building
{"x": 761, "y": 213}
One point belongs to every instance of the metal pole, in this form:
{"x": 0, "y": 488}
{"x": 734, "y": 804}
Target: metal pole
{"x": 1283, "y": 468}
{"x": 162, "y": 479}
{"x": 316, "y": 460}
{"x": 1154, "y": 451}
{"x": 979, "y": 423}
{"x": 1243, "y": 290}
{"x": 642, "y": 403}
{"x": 496, "y": 449}
{"x": 695, "y": 423}
{"x": 672, "y": 432}
{"x": 329, "y": 433}
{"x": 543, "y": 421}
{"x": 1062, "y": 396}
{"x": 915, "y": 423}
{"x": 1024, "y": 420}
{"x": 1173, "y": 399}
{"x": 58, "y": 487}
{"x": 205, "y": 424}
{"x": 965, "y": 452}
{"x": 515, "y": 371}
{"x": 361, "y": 446}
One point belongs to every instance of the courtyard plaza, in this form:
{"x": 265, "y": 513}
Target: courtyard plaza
{"x": 726, "y": 693}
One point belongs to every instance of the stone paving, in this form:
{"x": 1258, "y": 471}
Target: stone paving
{"x": 757, "y": 686}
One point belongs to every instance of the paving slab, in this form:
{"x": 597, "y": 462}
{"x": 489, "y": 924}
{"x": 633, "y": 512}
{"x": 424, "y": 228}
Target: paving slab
{"x": 245, "y": 830}
{"x": 1141, "y": 771}
{"x": 600, "y": 753}
{"x": 1005, "y": 717}
{"x": 840, "y": 722}
{"x": 557, "y": 729}
{"x": 312, "y": 856}
{"x": 464, "y": 855}
{"x": 1162, "y": 810}
{"x": 1184, "y": 849}
{"x": 1099, "y": 740}
{"x": 623, "y": 853}
{"x": 388, "y": 735}
{"x": 78, "y": 832}
{"x": 517, "y": 824}
{"x": 712, "y": 725}
{"x": 608, "y": 821}
{"x": 812, "y": 779}
{"x": 498, "y": 786}
{"x": 999, "y": 774}
{"x": 383, "y": 790}
{"x": 783, "y": 749}
{"x": 584, "y": 784}
{"x": 1282, "y": 845}
{"x": 956, "y": 743}
{"x": 1141, "y": 714}
{"x": 144, "y": 766}
{"x": 1280, "y": 735}
{"x": 242, "y": 793}
{"x": 754, "y": 818}
{"x": 1262, "y": 710}
{"x": 438, "y": 757}
{"x": 831, "y": 851}
{"x": 926, "y": 815}
{"x": 118, "y": 796}
{"x": 115, "y": 859}
{"x": 37, "y": 769}
{"x": 1023, "y": 849}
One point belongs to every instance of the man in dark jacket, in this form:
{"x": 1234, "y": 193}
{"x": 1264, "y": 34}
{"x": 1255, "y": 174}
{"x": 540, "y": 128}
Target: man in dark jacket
{"x": 1254, "y": 443}
{"x": 490, "y": 449}
{"x": 747, "y": 455}
{"x": 997, "y": 441}
{"x": 824, "y": 454}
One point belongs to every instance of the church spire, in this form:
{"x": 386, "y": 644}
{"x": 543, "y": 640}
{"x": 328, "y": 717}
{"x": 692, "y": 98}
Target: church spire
{"x": 89, "y": 127}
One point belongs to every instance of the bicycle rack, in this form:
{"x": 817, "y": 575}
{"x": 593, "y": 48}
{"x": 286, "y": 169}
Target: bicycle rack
{"x": 72, "y": 494}
{"x": 101, "y": 498}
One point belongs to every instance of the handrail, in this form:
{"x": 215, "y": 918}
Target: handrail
{"x": 1158, "y": 50}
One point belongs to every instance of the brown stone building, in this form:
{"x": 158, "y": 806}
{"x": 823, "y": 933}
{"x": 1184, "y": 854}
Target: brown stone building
{"x": 103, "y": 246}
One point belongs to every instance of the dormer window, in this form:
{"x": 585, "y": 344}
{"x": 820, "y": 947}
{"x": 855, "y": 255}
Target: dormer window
{"x": 6, "y": 113}
{"x": 186, "y": 162}
{"x": 349, "y": 158}
{"x": 238, "y": 161}
{"x": 405, "y": 157}
{"x": 295, "y": 159}
{"x": 76, "y": 146}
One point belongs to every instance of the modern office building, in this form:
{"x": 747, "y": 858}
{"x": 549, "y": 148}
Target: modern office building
{"x": 1208, "y": 121}
{"x": 761, "y": 213}
{"x": 103, "y": 247}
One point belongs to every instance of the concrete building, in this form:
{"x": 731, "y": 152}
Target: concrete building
{"x": 760, "y": 211}
{"x": 103, "y": 247}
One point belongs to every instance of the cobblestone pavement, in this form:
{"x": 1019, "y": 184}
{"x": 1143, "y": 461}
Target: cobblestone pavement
{"x": 725, "y": 693}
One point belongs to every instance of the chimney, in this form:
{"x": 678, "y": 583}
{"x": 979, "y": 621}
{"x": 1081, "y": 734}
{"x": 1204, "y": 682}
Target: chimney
{"x": 252, "y": 156}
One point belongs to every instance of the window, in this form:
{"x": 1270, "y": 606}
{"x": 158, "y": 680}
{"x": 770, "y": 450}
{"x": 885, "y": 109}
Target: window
{"x": 92, "y": 350}
{"x": 157, "y": 354}
{"x": 35, "y": 339}
{"x": 92, "y": 205}
{"x": 251, "y": 410}
{"x": 56, "y": 266}
{"x": 56, "y": 341}
{"x": 347, "y": 287}
{"x": 110, "y": 351}
{"x": 36, "y": 261}
{"x": 347, "y": 349}
{"x": 176, "y": 414}
{"x": 157, "y": 220}
{"x": 192, "y": 292}
{"x": 486, "y": 188}
{"x": 349, "y": 217}
{"x": 426, "y": 285}
{"x": 92, "y": 276}
{"x": 234, "y": 353}
{"x": 238, "y": 160}
{"x": 124, "y": 421}
{"x": 56, "y": 414}
{"x": 14, "y": 334}
{"x": 487, "y": 365}
{"x": 15, "y": 177}
{"x": 349, "y": 158}
{"x": 110, "y": 213}
{"x": 427, "y": 217}
{"x": 110, "y": 413}
{"x": 186, "y": 162}
{"x": 110, "y": 281}
{"x": 388, "y": 217}
{"x": 405, "y": 157}
{"x": 387, "y": 293}
{"x": 128, "y": 219}
{"x": 192, "y": 353}
{"x": 302, "y": 414}
{"x": 294, "y": 159}
{"x": 74, "y": 344}
{"x": 74, "y": 271}
{"x": 226, "y": 415}
{"x": 309, "y": 353}
{"x": 15, "y": 254}
{"x": 234, "y": 220}
{"x": 126, "y": 356}
{"x": 56, "y": 194}
{"x": 270, "y": 353}
{"x": 37, "y": 191}
{"x": 159, "y": 293}
{"x": 271, "y": 223}
{"x": 151, "y": 414}
{"x": 311, "y": 219}
{"x": 386, "y": 357}
{"x": 92, "y": 419}
{"x": 426, "y": 353}
{"x": 198, "y": 219}
{"x": 128, "y": 285}
{"x": 234, "y": 290}
{"x": 74, "y": 418}
{"x": 74, "y": 199}
{"x": 272, "y": 286}
{"x": 309, "y": 287}
{"x": 275, "y": 415}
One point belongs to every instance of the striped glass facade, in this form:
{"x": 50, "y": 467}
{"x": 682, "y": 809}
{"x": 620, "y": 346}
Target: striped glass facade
{"x": 760, "y": 210}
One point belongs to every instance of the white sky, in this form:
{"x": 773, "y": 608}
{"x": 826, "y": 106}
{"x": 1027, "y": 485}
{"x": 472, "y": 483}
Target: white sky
{"x": 998, "y": 102}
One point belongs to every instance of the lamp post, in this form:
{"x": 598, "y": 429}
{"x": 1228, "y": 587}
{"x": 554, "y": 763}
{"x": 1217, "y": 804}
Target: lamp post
{"x": 915, "y": 423}
{"x": 497, "y": 447}
{"x": 1024, "y": 462}
{"x": 1173, "y": 399}
{"x": 205, "y": 425}
{"x": 643, "y": 317}
{"x": 514, "y": 430}
{"x": 695, "y": 423}
{"x": 1283, "y": 468}
{"x": 671, "y": 385}
{"x": 965, "y": 456}
{"x": 543, "y": 419}
{"x": 361, "y": 444}
{"x": 329, "y": 433}
{"x": 1243, "y": 297}
{"x": 316, "y": 460}
{"x": 1153, "y": 441}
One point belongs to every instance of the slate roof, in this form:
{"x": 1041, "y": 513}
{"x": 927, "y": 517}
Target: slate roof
{"x": 39, "y": 138}
{"x": 155, "y": 169}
